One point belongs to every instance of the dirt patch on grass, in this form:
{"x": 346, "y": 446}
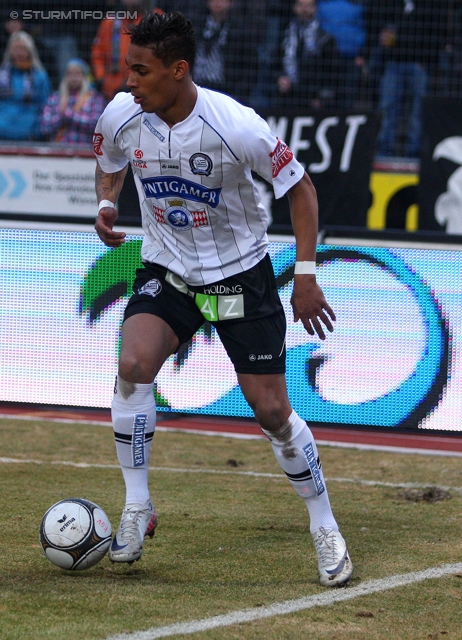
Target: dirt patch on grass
{"x": 427, "y": 494}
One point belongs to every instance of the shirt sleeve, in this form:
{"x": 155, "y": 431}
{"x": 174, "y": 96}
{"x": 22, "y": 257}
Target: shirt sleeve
{"x": 51, "y": 116}
{"x": 270, "y": 157}
{"x": 108, "y": 155}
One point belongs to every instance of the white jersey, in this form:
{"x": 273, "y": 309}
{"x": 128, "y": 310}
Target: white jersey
{"x": 201, "y": 211}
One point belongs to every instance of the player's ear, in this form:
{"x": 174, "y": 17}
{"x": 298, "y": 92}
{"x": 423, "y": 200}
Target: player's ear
{"x": 180, "y": 69}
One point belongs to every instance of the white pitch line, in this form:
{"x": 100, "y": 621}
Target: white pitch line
{"x": 391, "y": 485}
{"x": 390, "y": 448}
{"x": 222, "y": 472}
{"x": 223, "y": 434}
{"x": 8, "y": 416}
{"x": 291, "y": 606}
{"x": 255, "y": 436}
{"x": 159, "y": 427}
{"x": 322, "y": 443}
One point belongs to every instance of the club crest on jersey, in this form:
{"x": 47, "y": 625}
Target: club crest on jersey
{"x": 177, "y": 216}
{"x": 97, "y": 142}
{"x": 280, "y": 157}
{"x": 201, "y": 164}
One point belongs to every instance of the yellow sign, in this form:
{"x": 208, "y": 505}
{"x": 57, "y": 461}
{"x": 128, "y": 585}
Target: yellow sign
{"x": 393, "y": 201}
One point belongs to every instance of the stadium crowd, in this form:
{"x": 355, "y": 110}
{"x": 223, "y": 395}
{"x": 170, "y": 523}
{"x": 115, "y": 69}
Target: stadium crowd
{"x": 60, "y": 66}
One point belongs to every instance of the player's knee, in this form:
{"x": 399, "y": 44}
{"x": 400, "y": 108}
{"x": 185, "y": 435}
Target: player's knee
{"x": 270, "y": 413}
{"x": 134, "y": 369}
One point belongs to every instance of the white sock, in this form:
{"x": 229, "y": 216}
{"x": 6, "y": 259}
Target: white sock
{"x": 297, "y": 454}
{"x": 134, "y": 423}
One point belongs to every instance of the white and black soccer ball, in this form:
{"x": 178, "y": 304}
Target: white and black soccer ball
{"x": 75, "y": 534}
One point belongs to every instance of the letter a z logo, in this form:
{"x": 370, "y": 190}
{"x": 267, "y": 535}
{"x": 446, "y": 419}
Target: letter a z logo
{"x": 208, "y": 306}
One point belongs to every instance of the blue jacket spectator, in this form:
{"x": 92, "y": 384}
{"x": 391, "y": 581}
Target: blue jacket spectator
{"x": 24, "y": 89}
{"x": 345, "y": 20}
{"x": 411, "y": 39}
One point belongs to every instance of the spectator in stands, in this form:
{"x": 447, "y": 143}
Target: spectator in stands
{"x": 309, "y": 61}
{"x": 272, "y": 20}
{"x": 56, "y": 39}
{"x": 194, "y": 10}
{"x": 344, "y": 19}
{"x": 450, "y": 65}
{"x": 412, "y": 36}
{"x": 10, "y": 24}
{"x": 24, "y": 89}
{"x": 70, "y": 114}
{"x": 110, "y": 48}
{"x": 226, "y": 58}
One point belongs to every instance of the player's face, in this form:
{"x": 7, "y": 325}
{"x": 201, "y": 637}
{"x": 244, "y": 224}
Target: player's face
{"x": 152, "y": 85}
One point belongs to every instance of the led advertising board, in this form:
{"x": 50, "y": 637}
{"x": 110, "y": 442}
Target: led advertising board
{"x": 392, "y": 361}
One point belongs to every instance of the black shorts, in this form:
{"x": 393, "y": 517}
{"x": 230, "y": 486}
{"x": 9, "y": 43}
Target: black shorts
{"x": 245, "y": 310}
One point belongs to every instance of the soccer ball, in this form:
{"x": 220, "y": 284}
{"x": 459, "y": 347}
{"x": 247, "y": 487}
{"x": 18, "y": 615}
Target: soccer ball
{"x": 75, "y": 534}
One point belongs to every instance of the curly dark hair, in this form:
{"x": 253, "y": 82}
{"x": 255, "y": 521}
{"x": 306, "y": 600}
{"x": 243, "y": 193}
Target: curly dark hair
{"x": 170, "y": 36}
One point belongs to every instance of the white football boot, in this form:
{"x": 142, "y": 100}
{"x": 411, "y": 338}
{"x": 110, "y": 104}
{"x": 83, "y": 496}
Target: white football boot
{"x": 334, "y": 564}
{"x": 137, "y": 522}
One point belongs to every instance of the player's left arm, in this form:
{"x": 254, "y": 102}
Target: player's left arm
{"x": 308, "y": 301}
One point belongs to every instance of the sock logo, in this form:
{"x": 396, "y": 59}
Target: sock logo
{"x": 315, "y": 470}
{"x": 139, "y": 427}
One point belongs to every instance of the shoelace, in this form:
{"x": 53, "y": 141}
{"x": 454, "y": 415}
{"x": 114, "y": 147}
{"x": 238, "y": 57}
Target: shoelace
{"x": 326, "y": 546}
{"x": 129, "y": 525}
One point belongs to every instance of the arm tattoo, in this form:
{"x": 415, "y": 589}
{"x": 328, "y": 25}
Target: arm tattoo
{"x": 109, "y": 185}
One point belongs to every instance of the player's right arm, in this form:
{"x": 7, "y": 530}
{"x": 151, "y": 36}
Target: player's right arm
{"x": 111, "y": 167}
{"x": 108, "y": 187}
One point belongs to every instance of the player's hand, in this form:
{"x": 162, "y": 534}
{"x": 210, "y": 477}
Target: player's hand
{"x": 104, "y": 227}
{"x": 310, "y": 306}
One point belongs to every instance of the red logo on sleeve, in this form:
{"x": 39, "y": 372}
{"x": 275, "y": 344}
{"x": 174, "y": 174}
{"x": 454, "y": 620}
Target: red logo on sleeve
{"x": 280, "y": 157}
{"x": 138, "y": 154}
{"x": 97, "y": 142}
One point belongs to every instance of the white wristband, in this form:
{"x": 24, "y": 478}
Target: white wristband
{"x": 105, "y": 203}
{"x": 307, "y": 267}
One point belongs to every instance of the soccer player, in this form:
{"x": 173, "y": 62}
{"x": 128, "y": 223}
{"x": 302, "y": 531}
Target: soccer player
{"x": 192, "y": 151}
